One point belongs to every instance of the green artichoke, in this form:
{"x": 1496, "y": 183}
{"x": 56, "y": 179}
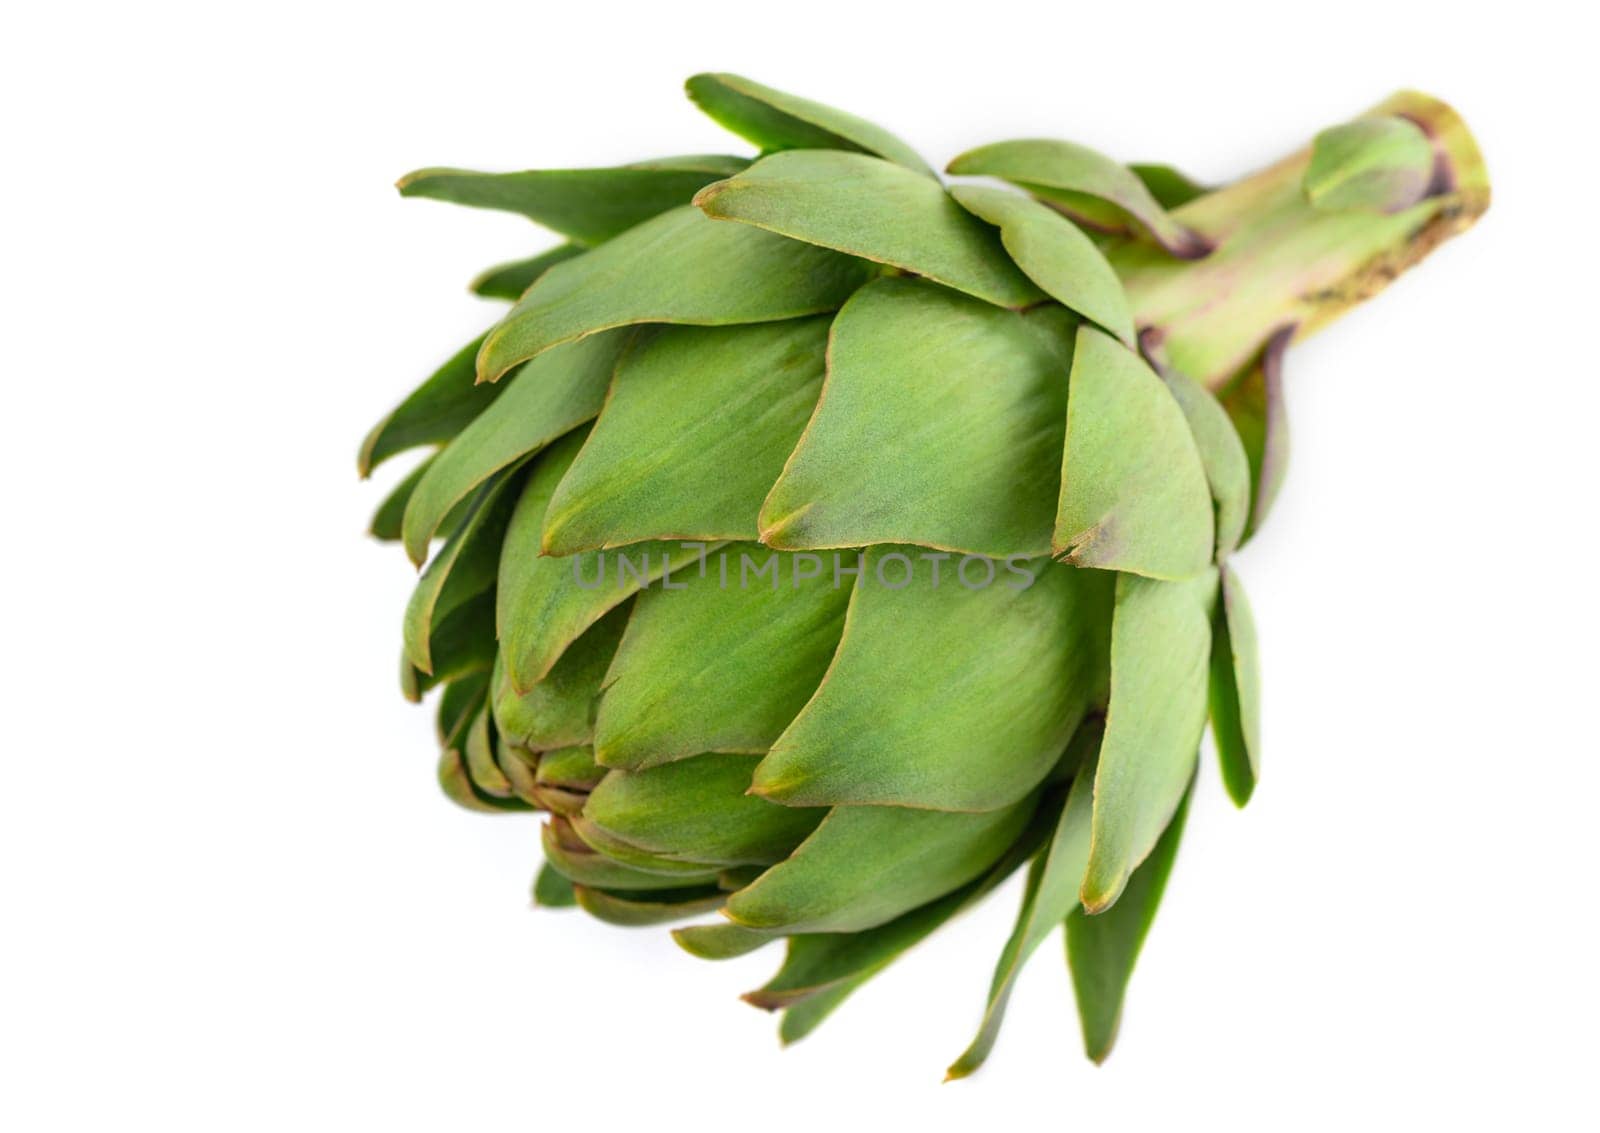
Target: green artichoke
{"x": 817, "y": 543}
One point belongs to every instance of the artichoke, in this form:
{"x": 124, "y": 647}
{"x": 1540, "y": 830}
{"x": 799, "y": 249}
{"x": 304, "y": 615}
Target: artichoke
{"x": 817, "y": 543}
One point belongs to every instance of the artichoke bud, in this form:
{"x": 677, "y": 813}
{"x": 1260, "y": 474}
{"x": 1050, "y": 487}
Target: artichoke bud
{"x": 817, "y": 544}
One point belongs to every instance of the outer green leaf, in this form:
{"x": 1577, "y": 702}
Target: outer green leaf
{"x": 567, "y": 804}
{"x": 694, "y": 432}
{"x": 724, "y": 663}
{"x": 647, "y": 909}
{"x": 821, "y": 969}
{"x": 546, "y": 603}
{"x": 563, "y": 779}
{"x": 556, "y": 800}
{"x": 1170, "y": 187}
{"x": 1236, "y": 690}
{"x": 458, "y": 787}
{"x": 680, "y": 267}
{"x": 459, "y": 644}
{"x": 940, "y": 424}
{"x": 550, "y": 396}
{"x": 1255, "y": 404}
{"x": 734, "y": 878}
{"x": 623, "y": 852}
{"x": 435, "y": 411}
{"x": 1221, "y": 453}
{"x": 698, "y": 810}
{"x": 552, "y": 891}
{"x": 466, "y": 772}
{"x": 1003, "y": 675}
{"x": 806, "y": 1016}
{"x": 1372, "y": 164}
{"x": 1160, "y": 651}
{"x": 458, "y": 703}
{"x": 572, "y": 767}
{"x": 478, "y": 754}
{"x": 518, "y": 765}
{"x": 818, "y": 963}
{"x": 774, "y": 120}
{"x": 463, "y": 569}
{"x": 1134, "y": 495}
{"x": 876, "y": 210}
{"x": 453, "y": 519}
{"x": 576, "y": 860}
{"x": 1051, "y": 893}
{"x": 510, "y": 280}
{"x": 386, "y": 520}
{"x": 587, "y": 205}
{"x": 720, "y": 941}
{"x": 558, "y": 711}
{"x": 1053, "y": 253}
{"x": 1073, "y": 175}
{"x": 1102, "y": 949}
{"x": 864, "y": 866}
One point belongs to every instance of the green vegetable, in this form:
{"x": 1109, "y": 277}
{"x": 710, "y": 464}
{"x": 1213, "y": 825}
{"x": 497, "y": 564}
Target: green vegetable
{"x": 818, "y": 544}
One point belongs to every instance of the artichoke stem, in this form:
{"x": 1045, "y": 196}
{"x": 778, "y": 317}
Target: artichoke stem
{"x": 1279, "y": 261}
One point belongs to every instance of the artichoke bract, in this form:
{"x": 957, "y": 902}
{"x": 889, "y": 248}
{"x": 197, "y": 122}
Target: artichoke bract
{"x": 817, "y": 543}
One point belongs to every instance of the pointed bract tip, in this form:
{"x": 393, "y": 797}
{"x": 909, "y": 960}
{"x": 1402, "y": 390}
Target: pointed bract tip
{"x": 775, "y": 786}
{"x": 710, "y": 78}
{"x": 486, "y": 369}
{"x": 420, "y": 659}
{"x": 1098, "y": 1052}
{"x": 369, "y": 445}
{"x": 958, "y": 1070}
{"x": 407, "y": 184}
{"x": 771, "y": 792}
{"x": 774, "y": 532}
{"x": 956, "y": 165}
{"x": 708, "y": 194}
{"x": 1096, "y": 899}
{"x": 550, "y": 535}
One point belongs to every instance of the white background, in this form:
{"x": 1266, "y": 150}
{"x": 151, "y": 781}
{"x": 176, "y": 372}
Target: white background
{"x": 232, "y": 896}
